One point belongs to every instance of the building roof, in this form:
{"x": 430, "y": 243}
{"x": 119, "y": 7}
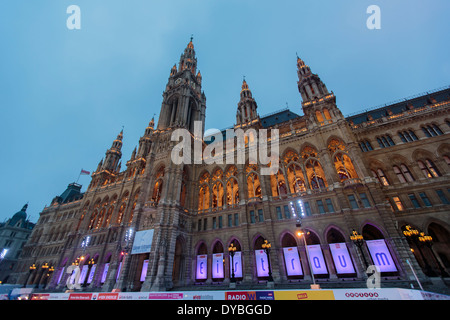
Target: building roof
{"x": 20, "y": 220}
{"x": 398, "y": 107}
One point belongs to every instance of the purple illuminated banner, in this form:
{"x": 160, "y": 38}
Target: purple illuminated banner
{"x": 316, "y": 258}
{"x": 118, "y": 271}
{"x": 292, "y": 261}
{"x": 91, "y": 273}
{"x": 83, "y": 274}
{"x": 202, "y": 267}
{"x": 217, "y": 266}
{"x": 105, "y": 272}
{"x": 381, "y": 256}
{"x": 341, "y": 258}
{"x": 144, "y": 270}
{"x": 262, "y": 263}
{"x": 237, "y": 259}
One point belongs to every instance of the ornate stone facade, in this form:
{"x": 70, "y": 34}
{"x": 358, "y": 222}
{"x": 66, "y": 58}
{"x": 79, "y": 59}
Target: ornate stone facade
{"x": 375, "y": 172}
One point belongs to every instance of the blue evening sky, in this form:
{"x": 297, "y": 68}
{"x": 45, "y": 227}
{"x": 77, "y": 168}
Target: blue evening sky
{"x": 65, "y": 94}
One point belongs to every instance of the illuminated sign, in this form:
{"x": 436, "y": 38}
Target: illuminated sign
{"x": 105, "y": 272}
{"x": 83, "y": 274}
{"x": 316, "y": 259}
{"x": 144, "y": 270}
{"x": 202, "y": 267}
{"x": 142, "y": 241}
{"x": 91, "y": 273}
{"x": 237, "y": 259}
{"x": 262, "y": 263}
{"x": 217, "y": 266}
{"x": 292, "y": 261}
{"x": 341, "y": 258}
{"x": 118, "y": 270}
{"x": 381, "y": 256}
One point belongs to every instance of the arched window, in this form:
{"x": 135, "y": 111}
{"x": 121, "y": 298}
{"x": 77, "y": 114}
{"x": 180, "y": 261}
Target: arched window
{"x": 253, "y": 183}
{"x": 296, "y": 179}
{"x": 316, "y": 174}
{"x": 381, "y": 177}
{"x": 428, "y": 168}
{"x": 278, "y": 184}
{"x": 203, "y": 198}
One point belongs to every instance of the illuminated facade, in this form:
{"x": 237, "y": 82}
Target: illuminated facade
{"x": 379, "y": 172}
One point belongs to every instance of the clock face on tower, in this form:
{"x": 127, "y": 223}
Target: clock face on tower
{"x": 178, "y": 81}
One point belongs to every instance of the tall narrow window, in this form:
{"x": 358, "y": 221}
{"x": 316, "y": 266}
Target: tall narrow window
{"x": 407, "y": 173}
{"x": 352, "y": 200}
{"x": 398, "y": 203}
{"x": 307, "y": 208}
{"x": 320, "y": 206}
{"x": 442, "y": 196}
{"x": 365, "y": 201}
{"x": 414, "y": 200}
{"x": 260, "y": 215}
{"x": 425, "y": 199}
{"x": 329, "y": 205}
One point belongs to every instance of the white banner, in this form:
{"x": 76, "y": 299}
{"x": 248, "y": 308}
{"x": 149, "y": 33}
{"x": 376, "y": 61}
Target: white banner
{"x": 237, "y": 259}
{"x": 202, "y": 267}
{"x": 381, "y": 256}
{"x": 262, "y": 263}
{"x": 316, "y": 258}
{"x": 292, "y": 261}
{"x": 341, "y": 258}
{"x": 217, "y": 266}
{"x": 142, "y": 241}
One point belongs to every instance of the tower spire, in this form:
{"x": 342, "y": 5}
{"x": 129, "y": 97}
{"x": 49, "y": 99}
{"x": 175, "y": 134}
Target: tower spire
{"x": 247, "y": 106}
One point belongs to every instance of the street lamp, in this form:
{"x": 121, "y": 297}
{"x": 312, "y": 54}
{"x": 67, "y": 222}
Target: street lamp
{"x": 428, "y": 241}
{"x": 266, "y": 247}
{"x": 358, "y": 240}
{"x": 414, "y": 236}
{"x": 232, "y": 250}
{"x": 301, "y": 234}
{"x": 50, "y": 271}
{"x": 44, "y": 267}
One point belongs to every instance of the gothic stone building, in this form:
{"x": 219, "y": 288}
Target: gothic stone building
{"x": 382, "y": 173}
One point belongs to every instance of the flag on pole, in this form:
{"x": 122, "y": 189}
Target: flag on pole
{"x": 84, "y": 172}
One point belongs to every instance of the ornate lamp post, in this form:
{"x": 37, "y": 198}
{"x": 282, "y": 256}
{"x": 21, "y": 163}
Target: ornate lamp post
{"x": 50, "y": 271}
{"x": 413, "y": 236}
{"x": 232, "y": 249}
{"x": 428, "y": 241}
{"x": 32, "y": 268}
{"x": 358, "y": 240}
{"x": 266, "y": 247}
{"x": 44, "y": 267}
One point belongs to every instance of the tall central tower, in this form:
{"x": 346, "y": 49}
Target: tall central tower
{"x": 183, "y": 100}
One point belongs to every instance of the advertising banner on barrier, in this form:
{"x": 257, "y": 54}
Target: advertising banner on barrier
{"x": 249, "y": 295}
{"x": 341, "y": 258}
{"x": 237, "y": 259}
{"x": 292, "y": 261}
{"x": 304, "y": 295}
{"x": 202, "y": 267}
{"x": 381, "y": 256}
{"x": 217, "y": 266}
{"x": 316, "y": 258}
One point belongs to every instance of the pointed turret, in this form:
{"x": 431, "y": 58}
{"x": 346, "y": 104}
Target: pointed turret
{"x": 247, "y": 106}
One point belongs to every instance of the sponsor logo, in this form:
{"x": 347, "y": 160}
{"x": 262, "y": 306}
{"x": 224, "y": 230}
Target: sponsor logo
{"x": 249, "y": 295}
{"x": 301, "y": 296}
{"x": 165, "y": 296}
{"x": 108, "y": 296}
{"x": 80, "y": 296}
{"x": 361, "y": 295}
